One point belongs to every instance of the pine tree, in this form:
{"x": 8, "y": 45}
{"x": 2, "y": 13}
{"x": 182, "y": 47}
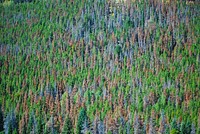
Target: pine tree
{"x": 40, "y": 119}
{"x": 81, "y": 118}
{"x": 174, "y": 126}
{"x": 67, "y": 128}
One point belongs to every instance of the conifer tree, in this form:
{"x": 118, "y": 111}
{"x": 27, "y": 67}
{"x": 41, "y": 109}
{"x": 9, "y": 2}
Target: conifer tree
{"x": 81, "y": 118}
{"x": 67, "y": 128}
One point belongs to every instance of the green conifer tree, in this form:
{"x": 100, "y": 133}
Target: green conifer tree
{"x": 67, "y": 128}
{"x": 81, "y": 119}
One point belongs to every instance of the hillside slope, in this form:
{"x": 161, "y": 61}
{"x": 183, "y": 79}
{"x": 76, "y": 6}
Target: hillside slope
{"x": 100, "y": 67}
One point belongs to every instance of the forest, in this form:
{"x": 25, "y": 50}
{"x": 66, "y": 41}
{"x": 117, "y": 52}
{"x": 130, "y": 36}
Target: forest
{"x": 99, "y": 66}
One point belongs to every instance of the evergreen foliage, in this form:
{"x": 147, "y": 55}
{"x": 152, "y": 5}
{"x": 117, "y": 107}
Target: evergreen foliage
{"x": 80, "y": 121}
{"x": 99, "y": 66}
{"x": 67, "y": 128}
